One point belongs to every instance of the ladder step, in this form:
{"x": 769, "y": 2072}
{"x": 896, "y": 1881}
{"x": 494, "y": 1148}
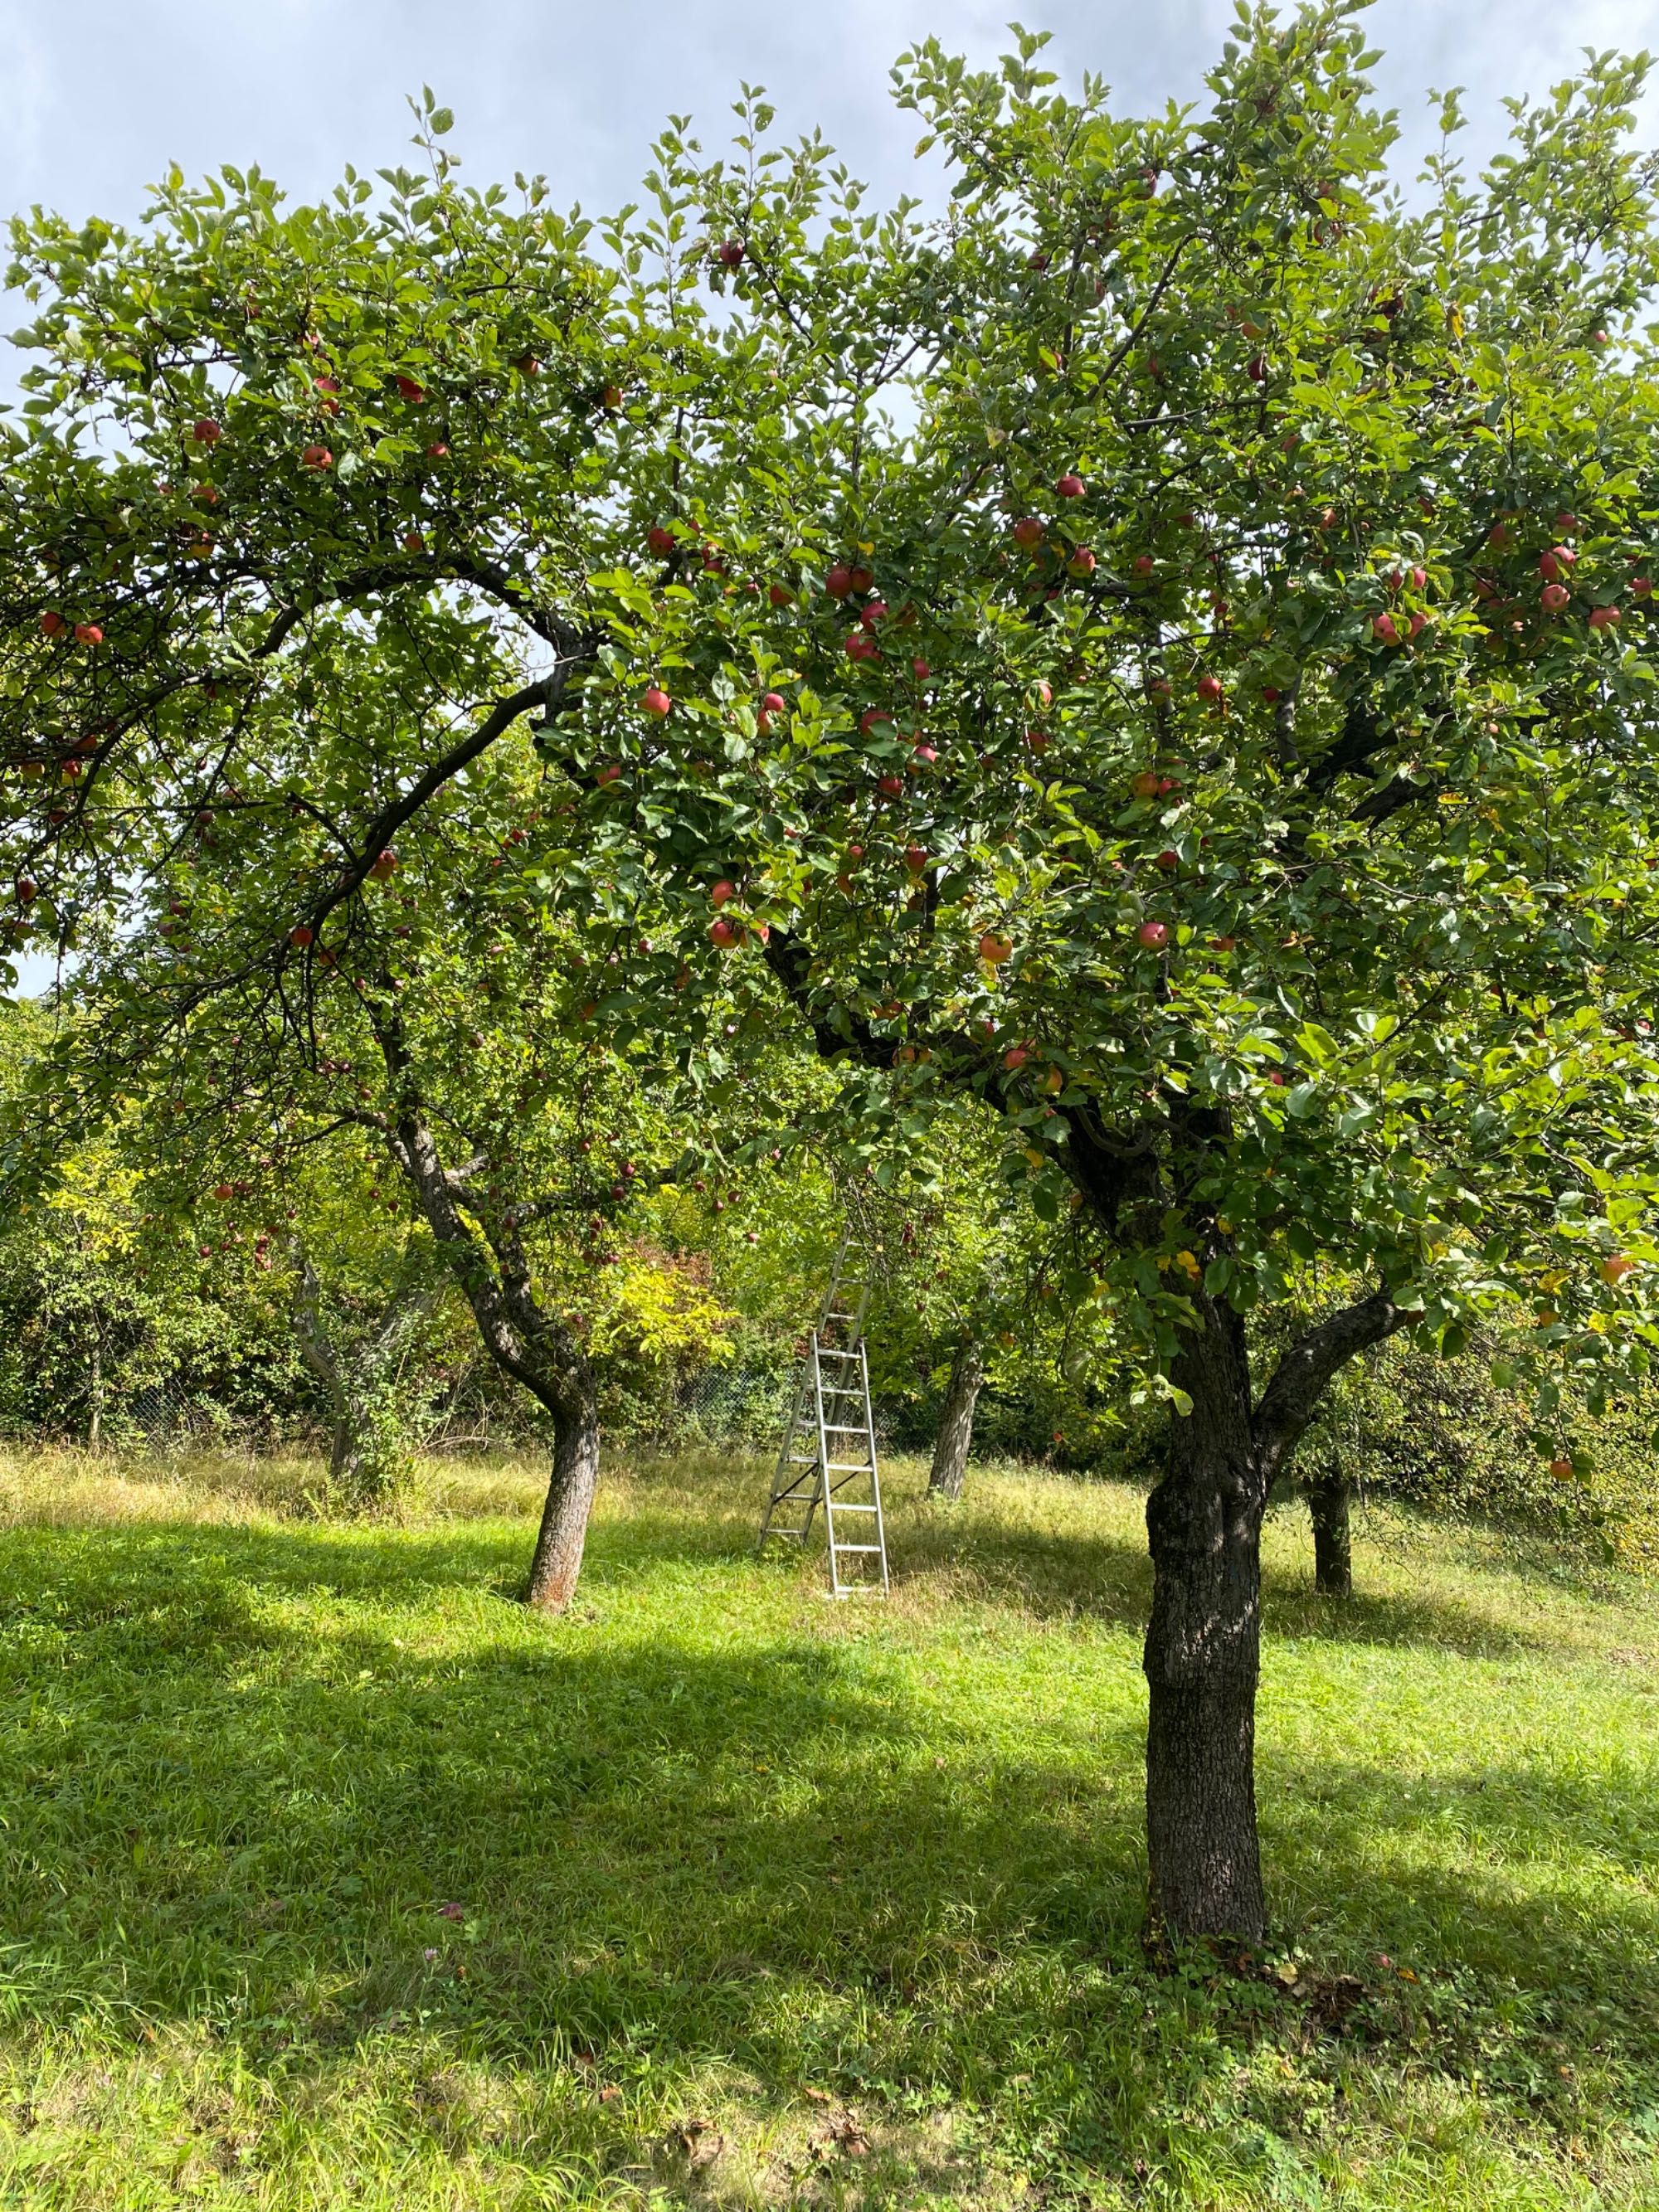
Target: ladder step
{"x": 840, "y": 1508}
{"x": 857, "y": 1547}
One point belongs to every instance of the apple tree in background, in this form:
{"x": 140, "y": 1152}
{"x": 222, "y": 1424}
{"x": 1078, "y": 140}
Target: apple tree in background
{"x": 1158, "y": 655}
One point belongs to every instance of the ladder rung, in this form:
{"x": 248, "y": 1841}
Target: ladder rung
{"x": 847, "y": 1466}
{"x": 846, "y": 1428}
{"x": 857, "y": 1509}
{"x": 858, "y": 1548}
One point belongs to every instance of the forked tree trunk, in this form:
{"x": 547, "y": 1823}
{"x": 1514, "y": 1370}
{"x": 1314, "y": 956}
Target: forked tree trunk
{"x": 1327, "y": 1510}
{"x": 1203, "y": 1644}
{"x": 956, "y": 1425}
{"x": 571, "y": 1485}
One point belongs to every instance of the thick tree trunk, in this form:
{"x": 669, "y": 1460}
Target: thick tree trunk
{"x": 1327, "y": 1509}
{"x": 1202, "y": 1655}
{"x": 956, "y": 1425}
{"x": 575, "y": 1475}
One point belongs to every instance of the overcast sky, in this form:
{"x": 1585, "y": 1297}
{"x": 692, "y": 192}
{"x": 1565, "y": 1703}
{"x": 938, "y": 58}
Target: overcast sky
{"x": 100, "y": 94}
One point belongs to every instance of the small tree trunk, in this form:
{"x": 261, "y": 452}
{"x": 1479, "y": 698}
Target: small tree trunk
{"x": 956, "y": 1425}
{"x": 1203, "y": 1646}
{"x": 1327, "y": 1509}
{"x": 95, "y": 1414}
{"x": 558, "y": 1559}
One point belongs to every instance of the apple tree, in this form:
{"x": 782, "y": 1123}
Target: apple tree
{"x": 1156, "y": 654}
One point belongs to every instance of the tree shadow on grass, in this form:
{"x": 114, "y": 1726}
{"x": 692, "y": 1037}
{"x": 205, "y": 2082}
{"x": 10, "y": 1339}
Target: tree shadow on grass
{"x": 767, "y": 1856}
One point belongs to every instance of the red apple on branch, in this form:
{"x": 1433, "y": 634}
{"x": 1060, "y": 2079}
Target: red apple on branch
{"x": 722, "y": 933}
{"x": 89, "y": 634}
{"x": 300, "y": 937}
{"x": 656, "y": 701}
{"x": 52, "y": 624}
{"x": 659, "y": 541}
{"x": 207, "y": 431}
{"x": 1154, "y": 935}
{"x": 1070, "y": 485}
{"x": 839, "y": 581}
{"x": 729, "y": 253}
{"x": 1027, "y": 533}
{"x": 317, "y": 457}
{"x": 994, "y": 948}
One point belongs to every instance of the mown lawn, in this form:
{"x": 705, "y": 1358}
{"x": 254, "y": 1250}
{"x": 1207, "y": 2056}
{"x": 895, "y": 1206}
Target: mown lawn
{"x": 331, "y": 1878}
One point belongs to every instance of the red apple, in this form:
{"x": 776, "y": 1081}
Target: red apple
{"x": 1210, "y": 689}
{"x": 659, "y": 541}
{"x": 1082, "y": 563}
{"x": 1271, "y": 694}
{"x": 1555, "y": 597}
{"x": 1641, "y": 587}
{"x": 1418, "y": 620}
{"x": 924, "y": 756}
{"x": 722, "y": 891}
{"x": 839, "y": 581}
{"x": 855, "y": 852}
{"x": 995, "y": 949}
{"x": 1223, "y": 944}
{"x": 1037, "y": 740}
{"x": 526, "y": 364}
{"x": 915, "y": 859}
{"x": 317, "y": 457}
{"x": 1169, "y": 860}
{"x": 774, "y": 703}
{"x": 437, "y": 450}
{"x": 891, "y": 787}
{"x": 860, "y": 580}
{"x": 27, "y": 889}
{"x": 656, "y": 701}
{"x": 1327, "y": 518}
{"x": 722, "y": 933}
{"x": 87, "y": 634}
{"x": 1600, "y": 617}
{"x": 328, "y": 385}
{"x": 860, "y": 648}
{"x": 1027, "y": 532}
{"x": 1070, "y": 486}
{"x": 207, "y": 431}
{"x": 868, "y": 721}
{"x": 1146, "y": 785}
{"x": 1420, "y": 577}
{"x": 1616, "y": 1266}
{"x": 385, "y": 864}
{"x": 1015, "y": 1057}
{"x": 1154, "y": 935}
{"x": 1561, "y": 1468}
{"x": 921, "y": 671}
{"x": 1044, "y": 695}
{"x": 1257, "y": 369}
{"x": 300, "y": 937}
{"x": 612, "y": 396}
{"x": 52, "y": 624}
{"x": 1143, "y": 564}
{"x": 1499, "y": 535}
{"x": 409, "y": 390}
{"x": 874, "y": 613}
{"x": 608, "y": 774}
{"x": 780, "y": 595}
{"x": 413, "y": 542}
{"x": 1382, "y": 626}
{"x": 729, "y": 253}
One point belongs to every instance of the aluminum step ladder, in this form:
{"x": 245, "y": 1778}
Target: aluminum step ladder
{"x": 828, "y": 1456}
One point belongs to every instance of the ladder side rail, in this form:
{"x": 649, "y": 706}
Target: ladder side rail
{"x": 823, "y": 1462}
{"x": 875, "y": 1476}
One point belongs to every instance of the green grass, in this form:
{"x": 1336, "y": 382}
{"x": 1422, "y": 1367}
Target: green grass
{"x": 752, "y": 1899}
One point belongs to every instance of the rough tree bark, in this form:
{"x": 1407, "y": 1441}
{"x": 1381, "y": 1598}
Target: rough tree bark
{"x": 485, "y": 1251}
{"x": 1327, "y": 1510}
{"x": 956, "y": 1427}
{"x": 1203, "y": 1638}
